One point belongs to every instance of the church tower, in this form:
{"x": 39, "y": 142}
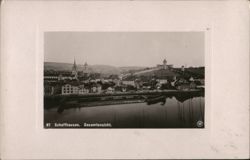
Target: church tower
{"x": 85, "y": 69}
{"x": 74, "y": 69}
{"x": 164, "y": 64}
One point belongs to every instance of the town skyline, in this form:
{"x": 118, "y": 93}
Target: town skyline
{"x": 125, "y": 49}
{"x": 82, "y": 64}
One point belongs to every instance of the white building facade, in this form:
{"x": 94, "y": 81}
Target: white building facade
{"x": 70, "y": 89}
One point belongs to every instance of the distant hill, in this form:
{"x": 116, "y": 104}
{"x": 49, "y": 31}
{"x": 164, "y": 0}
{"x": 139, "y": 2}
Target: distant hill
{"x": 157, "y": 72}
{"x": 131, "y": 69}
{"x": 57, "y": 66}
{"x": 103, "y": 69}
{"x": 137, "y": 71}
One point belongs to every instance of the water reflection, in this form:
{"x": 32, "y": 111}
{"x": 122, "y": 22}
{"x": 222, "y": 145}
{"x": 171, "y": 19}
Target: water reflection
{"x": 156, "y": 99}
{"x": 76, "y": 102}
{"x": 154, "y": 112}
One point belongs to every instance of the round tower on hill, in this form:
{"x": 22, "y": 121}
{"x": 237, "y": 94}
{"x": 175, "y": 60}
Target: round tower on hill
{"x": 182, "y": 68}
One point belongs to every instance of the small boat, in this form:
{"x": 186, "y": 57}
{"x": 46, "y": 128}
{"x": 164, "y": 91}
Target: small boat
{"x": 154, "y": 100}
{"x": 67, "y": 105}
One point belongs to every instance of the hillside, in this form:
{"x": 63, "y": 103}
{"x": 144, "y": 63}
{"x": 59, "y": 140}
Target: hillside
{"x": 133, "y": 69}
{"x": 103, "y": 69}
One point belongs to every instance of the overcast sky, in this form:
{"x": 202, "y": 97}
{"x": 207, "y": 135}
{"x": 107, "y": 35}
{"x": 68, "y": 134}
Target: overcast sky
{"x": 125, "y": 48}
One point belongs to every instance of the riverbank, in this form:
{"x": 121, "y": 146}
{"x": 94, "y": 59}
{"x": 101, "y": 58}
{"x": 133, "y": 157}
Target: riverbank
{"x": 71, "y": 101}
{"x": 129, "y": 93}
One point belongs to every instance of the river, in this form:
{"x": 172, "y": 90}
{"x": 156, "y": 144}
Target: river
{"x": 171, "y": 114}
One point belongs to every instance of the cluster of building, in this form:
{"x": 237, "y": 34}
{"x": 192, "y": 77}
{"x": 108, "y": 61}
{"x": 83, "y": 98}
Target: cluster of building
{"x": 84, "y": 82}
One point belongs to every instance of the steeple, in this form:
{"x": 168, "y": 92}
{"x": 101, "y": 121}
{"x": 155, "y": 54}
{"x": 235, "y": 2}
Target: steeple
{"x": 74, "y": 69}
{"x": 74, "y": 65}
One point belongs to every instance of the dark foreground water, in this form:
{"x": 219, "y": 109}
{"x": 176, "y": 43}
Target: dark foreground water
{"x": 172, "y": 114}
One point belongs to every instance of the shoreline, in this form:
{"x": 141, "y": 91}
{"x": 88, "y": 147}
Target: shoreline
{"x": 128, "y": 93}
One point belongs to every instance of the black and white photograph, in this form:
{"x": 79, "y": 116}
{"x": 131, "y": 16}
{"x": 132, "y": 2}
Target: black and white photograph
{"x": 124, "y": 80}
{"x": 112, "y": 79}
